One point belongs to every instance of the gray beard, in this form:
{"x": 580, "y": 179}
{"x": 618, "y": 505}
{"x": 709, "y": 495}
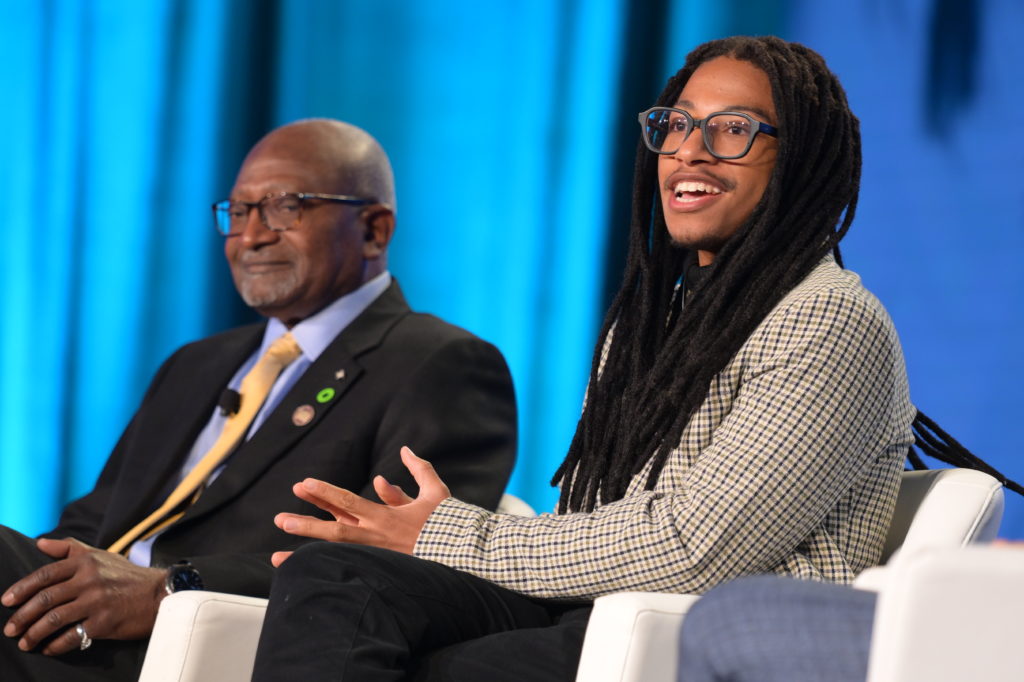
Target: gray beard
{"x": 262, "y": 294}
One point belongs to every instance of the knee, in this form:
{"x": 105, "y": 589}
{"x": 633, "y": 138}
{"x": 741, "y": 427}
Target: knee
{"x": 19, "y": 556}
{"x": 710, "y": 624}
{"x": 704, "y": 622}
{"x": 331, "y": 561}
{"x": 728, "y": 600}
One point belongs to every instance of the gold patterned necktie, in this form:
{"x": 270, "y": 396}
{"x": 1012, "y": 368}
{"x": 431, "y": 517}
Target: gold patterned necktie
{"x": 254, "y": 389}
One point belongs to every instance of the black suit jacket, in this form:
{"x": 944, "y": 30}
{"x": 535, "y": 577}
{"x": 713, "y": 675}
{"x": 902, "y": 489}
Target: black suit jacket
{"x": 400, "y": 378}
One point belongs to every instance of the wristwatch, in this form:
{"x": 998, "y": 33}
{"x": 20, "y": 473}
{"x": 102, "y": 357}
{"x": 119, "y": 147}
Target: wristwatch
{"x": 182, "y": 576}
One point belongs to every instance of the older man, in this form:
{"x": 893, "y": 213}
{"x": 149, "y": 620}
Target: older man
{"x": 341, "y": 376}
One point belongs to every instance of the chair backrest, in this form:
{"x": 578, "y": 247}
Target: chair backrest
{"x": 510, "y": 504}
{"x": 944, "y": 508}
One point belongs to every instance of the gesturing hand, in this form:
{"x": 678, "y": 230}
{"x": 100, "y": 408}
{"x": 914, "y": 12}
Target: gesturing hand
{"x": 111, "y": 597}
{"x": 393, "y": 525}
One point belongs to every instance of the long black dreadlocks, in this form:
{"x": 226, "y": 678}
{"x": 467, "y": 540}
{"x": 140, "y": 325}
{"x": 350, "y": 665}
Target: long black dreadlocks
{"x": 656, "y": 375}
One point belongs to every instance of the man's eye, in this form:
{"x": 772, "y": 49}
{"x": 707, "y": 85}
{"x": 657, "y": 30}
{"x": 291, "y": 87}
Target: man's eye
{"x": 733, "y": 127}
{"x": 238, "y": 211}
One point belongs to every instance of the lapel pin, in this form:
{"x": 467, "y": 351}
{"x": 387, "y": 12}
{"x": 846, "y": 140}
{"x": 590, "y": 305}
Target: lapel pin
{"x": 325, "y": 395}
{"x": 303, "y": 414}
{"x": 340, "y": 374}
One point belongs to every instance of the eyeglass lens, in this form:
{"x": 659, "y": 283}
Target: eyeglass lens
{"x": 725, "y": 134}
{"x": 277, "y": 212}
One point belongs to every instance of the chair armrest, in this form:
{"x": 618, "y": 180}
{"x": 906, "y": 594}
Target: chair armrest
{"x": 204, "y": 636}
{"x": 944, "y": 508}
{"x": 949, "y": 614}
{"x": 634, "y": 637}
{"x": 872, "y": 579}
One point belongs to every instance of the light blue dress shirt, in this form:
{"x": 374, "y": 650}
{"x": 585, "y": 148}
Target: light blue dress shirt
{"x": 313, "y": 335}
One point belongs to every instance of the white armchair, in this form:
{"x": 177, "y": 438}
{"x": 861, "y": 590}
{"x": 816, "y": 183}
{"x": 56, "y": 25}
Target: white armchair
{"x": 947, "y": 615}
{"x": 203, "y": 636}
{"x": 631, "y": 637}
{"x": 634, "y": 636}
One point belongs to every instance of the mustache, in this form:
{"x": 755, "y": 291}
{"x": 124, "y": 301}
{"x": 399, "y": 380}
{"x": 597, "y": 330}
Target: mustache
{"x": 262, "y": 256}
{"x": 725, "y": 183}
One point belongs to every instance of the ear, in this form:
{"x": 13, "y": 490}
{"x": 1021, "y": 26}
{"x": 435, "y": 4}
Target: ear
{"x": 380, "y": 227}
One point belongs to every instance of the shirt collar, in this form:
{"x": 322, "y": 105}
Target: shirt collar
{"x": 316, "y": 332}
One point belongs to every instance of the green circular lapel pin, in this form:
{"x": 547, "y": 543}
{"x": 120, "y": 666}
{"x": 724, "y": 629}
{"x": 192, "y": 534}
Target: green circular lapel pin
{"x": 325, "y": 395}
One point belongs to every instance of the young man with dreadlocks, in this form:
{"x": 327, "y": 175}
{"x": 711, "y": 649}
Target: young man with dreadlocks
{"x": 748, "y": 412}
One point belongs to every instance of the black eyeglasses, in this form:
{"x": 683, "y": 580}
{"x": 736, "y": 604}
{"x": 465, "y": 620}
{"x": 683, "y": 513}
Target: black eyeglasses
{"x": 279, "y": 211}
{"x": 727, "y": 134}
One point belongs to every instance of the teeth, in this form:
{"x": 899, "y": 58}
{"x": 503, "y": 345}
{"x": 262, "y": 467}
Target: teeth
{"x": 691, "y": 186}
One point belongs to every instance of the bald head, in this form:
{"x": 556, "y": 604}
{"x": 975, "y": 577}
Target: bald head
{"x": 350, "y": 160}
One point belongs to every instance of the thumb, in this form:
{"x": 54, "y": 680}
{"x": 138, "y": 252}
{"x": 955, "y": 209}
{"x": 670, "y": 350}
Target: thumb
{"x": 55, "y": 549}
{"x": 390, "y": 495}
{"x": 431, "y": 485}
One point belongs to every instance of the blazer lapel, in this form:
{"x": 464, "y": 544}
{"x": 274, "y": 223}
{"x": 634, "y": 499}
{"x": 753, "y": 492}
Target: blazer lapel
{"x": 318, "y": 391}
{"x": 150, "y": 479}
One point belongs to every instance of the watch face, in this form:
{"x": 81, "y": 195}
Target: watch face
{"x": 185, "y": 578}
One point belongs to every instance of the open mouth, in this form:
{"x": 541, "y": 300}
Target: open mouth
{"x": 691, "y": 190}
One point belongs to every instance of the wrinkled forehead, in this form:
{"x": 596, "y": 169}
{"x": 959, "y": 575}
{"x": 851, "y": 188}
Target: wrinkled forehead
{"x": 263, "y": 176}
{"x": 290, "y": 163}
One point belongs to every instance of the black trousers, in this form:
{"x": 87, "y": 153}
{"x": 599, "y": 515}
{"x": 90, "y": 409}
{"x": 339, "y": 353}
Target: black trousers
{"x": 105, "y": 660}
{"x": 347, "y": 612}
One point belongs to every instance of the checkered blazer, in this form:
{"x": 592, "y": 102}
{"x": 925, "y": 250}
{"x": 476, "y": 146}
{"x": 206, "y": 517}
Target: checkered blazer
{"x": 791, "y": 465}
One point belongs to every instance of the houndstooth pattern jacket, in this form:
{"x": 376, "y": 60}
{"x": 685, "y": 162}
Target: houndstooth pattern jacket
{"x": 791, "y": 466}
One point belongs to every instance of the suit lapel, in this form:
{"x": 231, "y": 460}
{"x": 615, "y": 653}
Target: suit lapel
{"x": 320, "y": 389}
{"x": 186, "y": 410}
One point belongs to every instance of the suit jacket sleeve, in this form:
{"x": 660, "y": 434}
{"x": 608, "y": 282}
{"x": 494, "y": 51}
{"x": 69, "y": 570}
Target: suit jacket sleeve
{"x": 81, "y": 519}
{"x": 820, "y": 400}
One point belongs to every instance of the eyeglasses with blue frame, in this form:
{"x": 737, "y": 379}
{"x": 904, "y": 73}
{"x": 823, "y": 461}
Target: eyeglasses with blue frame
{"x": 727, "y": 134}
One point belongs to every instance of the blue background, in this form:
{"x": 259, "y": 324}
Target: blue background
{"x": 511, "y": 126}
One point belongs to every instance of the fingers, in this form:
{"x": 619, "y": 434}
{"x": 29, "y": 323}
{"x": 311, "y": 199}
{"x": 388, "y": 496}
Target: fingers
{"x": 42, "y": 577}
{"x": 119, "y": 599}
{"x": 307, "y": 526}
{"x": 431, "y": 485}
{"x": 343, "y": 505}
{"x": 56, "y": 549}
{"x": 394, "y": 525}
{"x": 69, "y": 640}
{"x": 311, "y": 527}
{"x": 63, "y": 617}
{"x": 390, "y": 495}
{"x": 47, "y": 612}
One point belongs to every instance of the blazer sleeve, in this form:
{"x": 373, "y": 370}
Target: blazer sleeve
{"x": 245, "y": 574}
{"x": 82, "y": 518}
{"x": 805, "y": 425}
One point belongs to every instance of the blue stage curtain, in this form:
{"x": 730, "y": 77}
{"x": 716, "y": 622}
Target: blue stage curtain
{"x": 109, "y": 162}
{"x": 939, "y": 232}
{"x": 511, "y": 127}
{"x": 128, "y": 119}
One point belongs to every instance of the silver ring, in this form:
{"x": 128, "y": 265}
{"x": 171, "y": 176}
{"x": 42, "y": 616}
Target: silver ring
{"x": 84, "y": 636}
